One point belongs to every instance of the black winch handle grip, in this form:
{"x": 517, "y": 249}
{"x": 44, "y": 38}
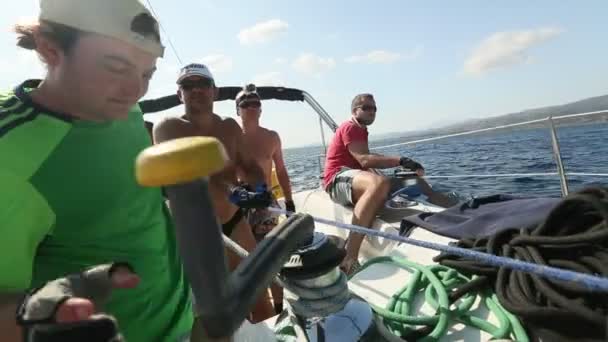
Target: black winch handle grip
{"x": 223, "y": 300}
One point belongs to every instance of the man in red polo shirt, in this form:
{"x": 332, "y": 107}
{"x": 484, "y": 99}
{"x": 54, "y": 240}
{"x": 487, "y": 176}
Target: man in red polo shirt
{"x": 349, "y": 181}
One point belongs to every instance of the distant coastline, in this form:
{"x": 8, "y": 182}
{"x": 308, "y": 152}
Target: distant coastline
{"x": 593, "y": 104}
{"x": 600, "y": 118}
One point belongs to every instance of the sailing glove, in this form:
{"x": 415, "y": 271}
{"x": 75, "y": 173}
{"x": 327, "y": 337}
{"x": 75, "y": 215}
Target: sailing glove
{"x": 290, "y": 206}
{"x": 36, "y": 313}
{"x": 410, "y": 164}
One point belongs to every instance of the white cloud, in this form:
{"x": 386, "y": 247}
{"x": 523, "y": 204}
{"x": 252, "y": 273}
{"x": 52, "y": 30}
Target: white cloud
{"x": 508, "y": 48}
{"x": 273, "y": 78}
{"x": 376, "y": 56}
{"x": 384, "y": 56}
{"x": 262, "y": 32}
{"x": 280, "y": 60}
{"x": 311, "y": 64}
{"x": 218, "y": 63}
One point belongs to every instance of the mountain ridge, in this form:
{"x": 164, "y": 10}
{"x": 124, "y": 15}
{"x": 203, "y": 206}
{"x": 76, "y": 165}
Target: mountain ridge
{"x": 590, "y": 104}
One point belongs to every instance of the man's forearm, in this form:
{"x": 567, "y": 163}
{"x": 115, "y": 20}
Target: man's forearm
{"x": 378, "y": 161}
{"x": 283, "y": 178}
{"x": 8, "y": 326}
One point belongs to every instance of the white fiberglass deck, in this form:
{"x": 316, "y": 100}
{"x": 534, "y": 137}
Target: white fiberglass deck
{"x": 378, "y": 282}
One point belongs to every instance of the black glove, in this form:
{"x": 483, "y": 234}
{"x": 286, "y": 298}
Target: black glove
{"x": 243, "y": 198}
{"x": 290, "y": 206}
{"x": 410, "y": 164}
{"x": 36, "y": 313}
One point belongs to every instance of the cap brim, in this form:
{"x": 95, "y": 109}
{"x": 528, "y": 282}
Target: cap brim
{"x": 183, "y": 77}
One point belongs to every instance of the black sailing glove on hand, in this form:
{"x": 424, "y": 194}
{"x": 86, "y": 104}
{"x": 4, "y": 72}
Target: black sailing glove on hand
{"x": 290, "y": 206}
{"x": 37, "y": 312}
{"x": 410, "y": 164}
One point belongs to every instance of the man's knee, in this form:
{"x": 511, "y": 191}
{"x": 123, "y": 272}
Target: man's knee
{"x": 371, "y": 184}
{"x": 382, "y": 185}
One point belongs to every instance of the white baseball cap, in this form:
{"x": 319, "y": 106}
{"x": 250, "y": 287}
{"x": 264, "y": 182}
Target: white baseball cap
{"x": 194, "y": 69}
{"x": 126, "y": 20}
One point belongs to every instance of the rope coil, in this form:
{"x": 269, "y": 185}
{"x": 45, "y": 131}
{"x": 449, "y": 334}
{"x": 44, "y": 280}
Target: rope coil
{"x": 591, "y": 282}
{"x": 442, "y": 288}
{"x": 574, "y": 236}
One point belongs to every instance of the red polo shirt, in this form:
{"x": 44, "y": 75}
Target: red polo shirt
{"x": 338, "y": 155}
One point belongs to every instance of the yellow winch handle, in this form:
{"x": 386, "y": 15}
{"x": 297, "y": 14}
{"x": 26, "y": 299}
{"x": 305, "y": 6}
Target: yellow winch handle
{"x": 179, "y": 161}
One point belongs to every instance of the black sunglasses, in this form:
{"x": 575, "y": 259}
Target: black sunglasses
{"x": 247, "y": 104}
{"x": 203, "y": 83}
{"x": 368, "y": 108}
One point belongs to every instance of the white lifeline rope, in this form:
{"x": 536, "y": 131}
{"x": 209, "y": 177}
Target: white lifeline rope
{"x": 593, "y": 283}
{"x": 508, "y": 175}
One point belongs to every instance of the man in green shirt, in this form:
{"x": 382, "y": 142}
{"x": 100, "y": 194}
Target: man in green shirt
{"x": 69, "y": 195}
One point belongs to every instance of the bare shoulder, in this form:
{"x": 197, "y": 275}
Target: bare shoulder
{"x": 272, "y": 135}
{"x": 171, "y": 123}
{"x": 273, "y": 139}
{"x": 230, "y": 125}
{"x": 171, "y": 128}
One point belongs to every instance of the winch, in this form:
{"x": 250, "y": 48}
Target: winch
{"x": 318, "y": 303}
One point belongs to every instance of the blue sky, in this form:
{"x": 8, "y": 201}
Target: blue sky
{"x": 428, "y": 63}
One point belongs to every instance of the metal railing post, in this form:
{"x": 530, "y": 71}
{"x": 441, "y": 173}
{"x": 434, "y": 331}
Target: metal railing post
{"x": 320, "y": 176}
{"x": 558, "y": 158}
{"x": 320, "y": 111}
{"x": 324, "y": 148}
{"x": 322, "y": 135}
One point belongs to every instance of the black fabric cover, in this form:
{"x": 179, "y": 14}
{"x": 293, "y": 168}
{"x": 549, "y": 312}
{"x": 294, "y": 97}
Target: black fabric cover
{"x": 483, "y": 216}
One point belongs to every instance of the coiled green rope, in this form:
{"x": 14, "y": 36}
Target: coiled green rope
{"x": 437, "y": 282}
